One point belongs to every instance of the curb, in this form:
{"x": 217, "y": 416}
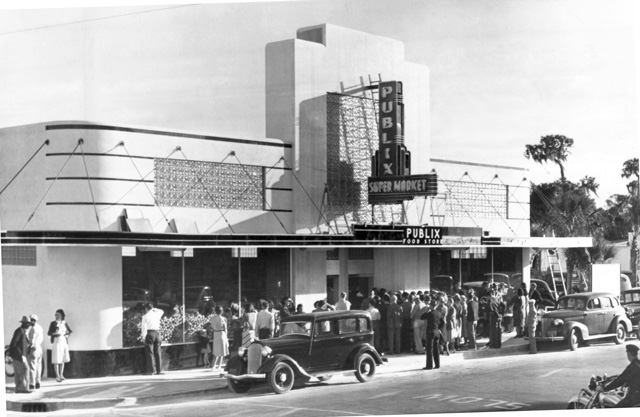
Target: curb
{"x": 45, "y": 405}
{"x": 489, "y": 353}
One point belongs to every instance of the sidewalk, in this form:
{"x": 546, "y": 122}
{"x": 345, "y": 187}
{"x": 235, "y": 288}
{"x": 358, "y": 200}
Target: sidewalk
{"x": 139, "y": 389}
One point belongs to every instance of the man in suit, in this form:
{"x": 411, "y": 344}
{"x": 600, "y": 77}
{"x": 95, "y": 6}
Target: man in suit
{"x": 435, "y": 323}
{"x": 18, "y": 350}
{"x": 472, "y": 319}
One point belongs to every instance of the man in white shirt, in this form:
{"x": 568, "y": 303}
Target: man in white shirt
{"x": 375, "y": 325}
{"x": 265, "y": 322}
{"x": 152, "y": 339}
{"x": 34, "y": 358}
{"x": 343, "y": 304}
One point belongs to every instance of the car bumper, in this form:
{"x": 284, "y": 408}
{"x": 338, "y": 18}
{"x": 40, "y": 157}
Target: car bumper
{"x": 247, "y": 377}
{"x": 550, "y": 338}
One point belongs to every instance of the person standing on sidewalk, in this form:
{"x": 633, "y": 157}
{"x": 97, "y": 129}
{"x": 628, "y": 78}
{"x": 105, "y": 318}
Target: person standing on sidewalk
{"x": 152, "y": 338}
{"x": 249, "y": 319}
{"x": 418, "y": 305}
{"x": 265, "y": 322}
{"x": 435, "y": 324}
{"x": 59, "y": 331}
{"x": 532, "y": 322}
{"x": 220, "y": 340}
{"x": 394, "y": 325}
{"x": 343, "y": 304}
{"x": 375, "y": 325}
{"x": 472, "y": 319}
{"x": 36, "y": 336}
{"x": 18, "y": 350}
{"x": 407, "y": 328}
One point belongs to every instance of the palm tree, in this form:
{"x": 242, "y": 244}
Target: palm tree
{"x": 630, "y": 169}
{"x": 552, "y": 148}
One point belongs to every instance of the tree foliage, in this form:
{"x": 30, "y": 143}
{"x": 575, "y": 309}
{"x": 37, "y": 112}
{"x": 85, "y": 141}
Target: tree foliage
{"x": 552, "y": 148}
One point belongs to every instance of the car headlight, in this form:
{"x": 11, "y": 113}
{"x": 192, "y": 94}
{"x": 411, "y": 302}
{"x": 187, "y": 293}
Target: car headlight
{"x": 558, "y": 322}
{"x": 241, "y": 351}
{"x": 266, "y": 351}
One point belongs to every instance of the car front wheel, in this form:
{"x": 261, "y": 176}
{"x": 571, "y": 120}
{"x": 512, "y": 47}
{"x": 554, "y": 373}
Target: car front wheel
{"x": 574, "y": 339}
{"x": 365, "y": 368}
{"x": 281, "y": 378}
{"x": 621, "y": 334}
{"x": 238, "y": 387}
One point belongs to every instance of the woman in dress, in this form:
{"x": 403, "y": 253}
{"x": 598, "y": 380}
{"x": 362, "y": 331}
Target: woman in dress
{"x": 220, "y": 341}
{"x": 249, "y": 325}
{"x": 451, "y": 327}
{"x": 59, "y": 331}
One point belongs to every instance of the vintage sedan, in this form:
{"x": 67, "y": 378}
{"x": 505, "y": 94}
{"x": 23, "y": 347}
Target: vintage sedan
{"x": 630, "y": 300}
{"x": 582, "y": 317}
{"x": 313, "y": 345}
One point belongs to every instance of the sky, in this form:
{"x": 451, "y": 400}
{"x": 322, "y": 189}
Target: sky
{"x": 503, "y": 73}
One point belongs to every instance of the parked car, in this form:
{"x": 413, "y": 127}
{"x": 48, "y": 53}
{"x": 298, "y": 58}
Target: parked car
{"x": 312, "y": 345}
{"x": 442, "y": 283}
{"x": 549, "y": 297}
{"x": 630, "y": 300}
{"x": 581, "y": 317}
{"x": 497, "y": 278}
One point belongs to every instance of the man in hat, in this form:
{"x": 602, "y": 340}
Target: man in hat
{"x": 36, "y": 336}
{"x": 18, "y": 350}
{"x": 435, "y": 324}
{"x": 631, "y": 377}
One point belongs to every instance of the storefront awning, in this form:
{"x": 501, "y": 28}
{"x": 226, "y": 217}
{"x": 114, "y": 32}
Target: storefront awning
{"x": 176, "y": 240}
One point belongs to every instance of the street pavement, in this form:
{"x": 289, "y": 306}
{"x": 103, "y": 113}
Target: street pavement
{"x": 498, "y": 383}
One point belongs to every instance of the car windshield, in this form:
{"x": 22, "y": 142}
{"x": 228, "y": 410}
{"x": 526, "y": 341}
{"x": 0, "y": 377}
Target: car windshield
{"x": 571, "y": 303}
{"x": 630, "y": 297}
{"x": 295, "y": 327}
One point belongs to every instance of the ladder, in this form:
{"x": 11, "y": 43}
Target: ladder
{"x": 553, "y": 258}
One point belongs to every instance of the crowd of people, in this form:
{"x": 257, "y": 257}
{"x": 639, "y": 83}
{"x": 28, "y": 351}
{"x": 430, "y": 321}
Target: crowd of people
{"x": 399, "y": 320}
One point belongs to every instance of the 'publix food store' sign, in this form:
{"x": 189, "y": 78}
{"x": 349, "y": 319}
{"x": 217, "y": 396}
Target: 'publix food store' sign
{"x": 391, "y": 181}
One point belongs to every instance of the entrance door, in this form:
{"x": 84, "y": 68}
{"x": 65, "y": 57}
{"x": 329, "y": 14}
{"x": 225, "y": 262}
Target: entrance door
{"x": 332, "y": 289}
{"x": 359, "y": 289}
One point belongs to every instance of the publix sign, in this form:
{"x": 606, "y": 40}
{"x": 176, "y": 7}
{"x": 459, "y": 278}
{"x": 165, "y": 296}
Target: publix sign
{"x": 391, "y": 180}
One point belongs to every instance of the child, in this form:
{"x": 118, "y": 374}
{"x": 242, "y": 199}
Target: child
{"x": 203, "y": 347}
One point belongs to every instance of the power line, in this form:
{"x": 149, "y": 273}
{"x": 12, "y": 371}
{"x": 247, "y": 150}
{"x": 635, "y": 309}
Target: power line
{"x": 95, "y": 19}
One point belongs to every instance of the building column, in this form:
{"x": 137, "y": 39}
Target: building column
{"x": 308, "y": 276}
{"x": 526, "y": 266}
{"x": 343, "y": 277}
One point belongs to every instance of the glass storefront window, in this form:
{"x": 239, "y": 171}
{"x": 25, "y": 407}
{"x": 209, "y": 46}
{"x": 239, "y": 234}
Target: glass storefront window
{"x": 211, "y": 277}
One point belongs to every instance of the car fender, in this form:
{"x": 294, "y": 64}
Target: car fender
{"x": 570, "y": 325}
{"x": 236, "y": 366}
{"x": 364, "y": 348}
{"x": 622, "y": 318}
{"x": 271, "y": 362}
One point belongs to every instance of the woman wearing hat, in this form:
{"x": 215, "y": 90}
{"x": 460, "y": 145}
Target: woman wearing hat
{"x": 59, "y": 331}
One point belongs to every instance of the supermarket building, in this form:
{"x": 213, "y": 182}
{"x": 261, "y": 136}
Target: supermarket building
{"x": 103, "y": 211}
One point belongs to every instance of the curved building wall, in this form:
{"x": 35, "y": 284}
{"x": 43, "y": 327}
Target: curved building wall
{"x": 249, "y": 192}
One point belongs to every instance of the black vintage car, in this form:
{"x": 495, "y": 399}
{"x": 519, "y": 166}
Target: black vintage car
{"x": 630, "y": 300}
{"x": 313, "y": 345}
